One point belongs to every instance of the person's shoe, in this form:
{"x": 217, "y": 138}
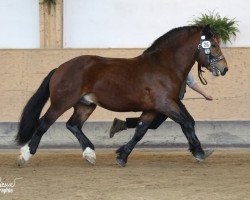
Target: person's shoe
{"x": 117, "y": 126}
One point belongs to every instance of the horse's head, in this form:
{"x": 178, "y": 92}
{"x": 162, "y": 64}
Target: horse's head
{"x": 210, "y": 55}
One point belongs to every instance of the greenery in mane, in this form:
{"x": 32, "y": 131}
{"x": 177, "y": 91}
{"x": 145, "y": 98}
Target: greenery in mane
{"x": 170, "y": 37}
{"x": 222, "y": 27}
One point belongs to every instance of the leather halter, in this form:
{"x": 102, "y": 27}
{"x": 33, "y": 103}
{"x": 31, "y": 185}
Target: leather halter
{"x": 211, "y": 58}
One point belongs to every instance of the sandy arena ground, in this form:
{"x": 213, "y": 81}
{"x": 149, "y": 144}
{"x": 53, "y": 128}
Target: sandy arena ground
{"x": 165, "y": 174}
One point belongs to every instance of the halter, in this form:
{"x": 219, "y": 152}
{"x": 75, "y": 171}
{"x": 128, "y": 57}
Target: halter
{"x": 206, "y": 45}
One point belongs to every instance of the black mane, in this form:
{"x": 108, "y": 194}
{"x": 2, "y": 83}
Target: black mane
{"x": 171, "y": 37}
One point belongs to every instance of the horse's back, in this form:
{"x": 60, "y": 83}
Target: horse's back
{"x": 117, "y": 84}
{"x": 105, "y": 78}
{"x": 114, "y": 83}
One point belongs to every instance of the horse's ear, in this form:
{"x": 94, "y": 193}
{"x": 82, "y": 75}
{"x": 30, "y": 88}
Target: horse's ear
{"x": 207, "y": 32}
{"x": 206, "y": 28}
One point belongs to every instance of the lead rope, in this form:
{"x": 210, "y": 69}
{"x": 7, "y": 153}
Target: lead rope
{"x": 202, "y": 79}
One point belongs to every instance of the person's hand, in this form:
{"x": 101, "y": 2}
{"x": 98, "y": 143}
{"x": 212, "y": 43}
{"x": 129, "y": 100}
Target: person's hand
{"x": 209, "y": 97}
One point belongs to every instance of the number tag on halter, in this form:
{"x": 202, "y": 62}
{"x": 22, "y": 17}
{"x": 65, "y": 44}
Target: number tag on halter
{"x": 207, "y": 51}
{"x": 206, "y": 44}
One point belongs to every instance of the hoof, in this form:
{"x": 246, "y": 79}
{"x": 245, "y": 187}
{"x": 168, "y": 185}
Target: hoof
{"x": 89, "y": 155}
{"x": 120, "y": 162}
{"x": 202, "y": 157}
{"x": 24, "y": 156}
{"x": 20, "y": 161}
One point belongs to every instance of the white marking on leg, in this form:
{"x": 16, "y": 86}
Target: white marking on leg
{"x": 89, "y": 155}
{"x": 25, "y": 152}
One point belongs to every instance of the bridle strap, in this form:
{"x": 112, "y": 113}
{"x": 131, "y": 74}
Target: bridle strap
{"x": 217, "y": 58}
{"x": 211, "y": 60}
{"x": 200, "y": 71}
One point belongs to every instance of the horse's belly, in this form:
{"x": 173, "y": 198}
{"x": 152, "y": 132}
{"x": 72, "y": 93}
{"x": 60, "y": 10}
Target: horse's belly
{"x": 113, "y": 103}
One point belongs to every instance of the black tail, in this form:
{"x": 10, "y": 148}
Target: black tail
{"x": 31, "y": 112}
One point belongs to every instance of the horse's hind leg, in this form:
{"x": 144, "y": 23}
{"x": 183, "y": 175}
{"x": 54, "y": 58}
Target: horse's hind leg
{"x": 28, "y": 150}
{"x": 123, "y": 152}
{"x": 75, "y": 123}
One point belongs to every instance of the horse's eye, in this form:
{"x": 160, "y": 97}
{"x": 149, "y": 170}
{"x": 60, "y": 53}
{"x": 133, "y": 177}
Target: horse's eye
{"x": 213, "y": 45}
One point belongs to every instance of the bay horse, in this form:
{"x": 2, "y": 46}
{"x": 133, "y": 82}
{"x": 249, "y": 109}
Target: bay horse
{"x": 149, "y": 83}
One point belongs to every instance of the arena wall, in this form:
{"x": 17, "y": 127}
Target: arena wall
{"x": 224, "y": 121}
{"x": 23, "y": 70}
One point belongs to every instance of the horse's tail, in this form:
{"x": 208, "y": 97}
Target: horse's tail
{"x": 31, "y": 112}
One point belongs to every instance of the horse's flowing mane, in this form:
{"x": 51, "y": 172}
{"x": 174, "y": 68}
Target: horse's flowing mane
{"x": 171, "y": 37}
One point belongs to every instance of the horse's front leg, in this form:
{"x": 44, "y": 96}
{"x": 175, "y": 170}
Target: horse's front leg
{"x": 189, "y": 131}
{"x": 142, "y": 127}
{"x": 179, "y": 114}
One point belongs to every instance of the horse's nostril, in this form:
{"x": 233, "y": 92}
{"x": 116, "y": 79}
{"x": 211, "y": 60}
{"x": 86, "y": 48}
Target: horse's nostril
{"x": 224, "y": 71}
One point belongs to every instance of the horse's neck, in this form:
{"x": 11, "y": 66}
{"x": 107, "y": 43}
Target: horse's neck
{"x": 184, "y": 54}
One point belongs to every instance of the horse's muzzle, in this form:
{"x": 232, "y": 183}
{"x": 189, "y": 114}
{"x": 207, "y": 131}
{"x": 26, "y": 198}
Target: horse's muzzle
{"x": 224, "y": 71}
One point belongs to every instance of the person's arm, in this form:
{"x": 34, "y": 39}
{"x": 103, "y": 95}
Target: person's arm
{"x": 194, "y": 86}
{"x": 197, "y": 88}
